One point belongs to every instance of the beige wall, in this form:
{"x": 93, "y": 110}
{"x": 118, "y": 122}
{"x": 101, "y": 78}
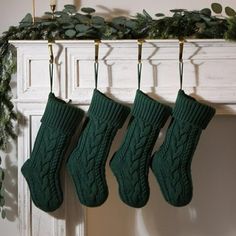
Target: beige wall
{"x": 215, "y": 187}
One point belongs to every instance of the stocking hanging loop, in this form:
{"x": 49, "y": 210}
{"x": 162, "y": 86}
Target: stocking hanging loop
{"x": 139, "y": 66}
{"x": 96, "y": 64}
{"x": 51, "y": 61}
{"x": 181, "y": 63}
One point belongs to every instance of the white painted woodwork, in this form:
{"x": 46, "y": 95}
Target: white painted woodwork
{"x": 209, "y": 75}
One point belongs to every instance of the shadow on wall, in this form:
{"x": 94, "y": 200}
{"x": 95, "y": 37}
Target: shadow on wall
{"x": 104, "y": 11}
{"x": 212, "y": 211}
{"x": 110, "y": 13}
{"x": 10, "y": 184}
{"x": 77, "y": 3}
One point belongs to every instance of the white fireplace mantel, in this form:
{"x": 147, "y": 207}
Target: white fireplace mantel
{"x": 209, "y": 70}
{"x": 209, "y": 75}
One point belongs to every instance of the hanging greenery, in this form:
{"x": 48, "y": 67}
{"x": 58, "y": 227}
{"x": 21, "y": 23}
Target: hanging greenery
{"x": 2, "y": 199}
{"x": 70, "y": 24}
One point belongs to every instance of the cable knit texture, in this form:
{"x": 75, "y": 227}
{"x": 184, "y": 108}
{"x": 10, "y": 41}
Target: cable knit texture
{"x": 130, "y": 164}
{"x": 42, "y": 170}
{"x": 87, "y": 162}
{"x": 172, "y": 163}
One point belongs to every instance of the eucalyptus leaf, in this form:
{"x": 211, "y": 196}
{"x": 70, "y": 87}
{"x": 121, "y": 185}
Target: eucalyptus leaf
{"x": 119, "y": 20}
{"x": 205, "y": 18}
{"x": 90, "y": 33}
{"x": 70, "y": 33}
{"x": 206, "y": 11}
{"x": 112, "y": 30}
{"x": 98, "y": 20}
{"x": 216, "y": 8}
{"x": 68, "y": 26}
{"x": 70, "y": 6}
{"x": 81, "y": 34}
{"x": 82, "y": 18}
{"x": 81, "y": 28}
{"x": 120, "y": 35}
{"x": 108, "y": 31}
{"x": 131, "y": 24}
{"x": 34, "y": 35}
{"x": 70, "y": 10}
{"x": 98, "y": 26}
{"x": 159, "y": 14}
{"x": 230, "y": 11}
{"x": 195, "y": 17}
{"x": 177, "y": 10}
{"x": 3, "y": 214}
{"x": 2, "y": 192}
{"x": 147, "y": 14}
{"x": 64, "y": 19}
{"x": 27, "y": 20}
{"x": 46, "y": 23}
{"x": 88, "y": 10}
{"x": 1, "y": 174}
{"x": 2, "y": 202}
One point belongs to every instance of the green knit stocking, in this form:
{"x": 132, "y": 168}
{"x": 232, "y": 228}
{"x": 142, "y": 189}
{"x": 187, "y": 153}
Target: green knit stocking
{"x": 87, "y": 162}
{"x": 130, "y": 164}
{"x": 172, "y": 163}
{"x": 42, "y": 170}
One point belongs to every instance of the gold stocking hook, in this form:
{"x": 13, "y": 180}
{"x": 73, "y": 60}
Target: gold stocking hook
{"x": 140, "y": 47}
{"x": 51, "y": 61}
{"x": 181, "y": 63}
{"x": 96, "y": 64}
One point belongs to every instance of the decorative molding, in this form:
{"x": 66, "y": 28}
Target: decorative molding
{"x": 209, "y": 70}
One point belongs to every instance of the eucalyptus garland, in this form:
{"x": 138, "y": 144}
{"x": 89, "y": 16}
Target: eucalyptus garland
{"x": 7, "y": 115}
{"x": 70, "y": 24}
{"x": 2, "y": 199}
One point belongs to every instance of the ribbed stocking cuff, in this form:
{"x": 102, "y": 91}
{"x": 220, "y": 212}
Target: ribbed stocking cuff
{"x": 61, "y": 115}
{"x": 190, "y": 110}
{"x": 150, "y": 110}
{"x": 108, "y": 110}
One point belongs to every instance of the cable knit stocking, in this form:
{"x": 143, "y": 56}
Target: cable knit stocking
{"x": 87, "y": 162}
{"x": 172, "y": 163}
{"x": 42, "y": 170}
{"x": 130, "y": 164}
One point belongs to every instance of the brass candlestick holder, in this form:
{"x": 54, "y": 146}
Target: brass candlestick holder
{"x": 53, "y": 9}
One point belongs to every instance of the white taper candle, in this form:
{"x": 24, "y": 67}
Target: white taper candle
{"x": 33, "y": 11}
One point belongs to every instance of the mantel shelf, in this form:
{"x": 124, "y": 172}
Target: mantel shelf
{"x": 209, "y": 70}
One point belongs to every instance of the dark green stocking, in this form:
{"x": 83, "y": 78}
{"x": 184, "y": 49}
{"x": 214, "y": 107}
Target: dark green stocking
{"x": 42, "y": 170}
{"x": 172, "y": 163}
{"x": 130, "y": 164}
{"x": 87, "y": 162}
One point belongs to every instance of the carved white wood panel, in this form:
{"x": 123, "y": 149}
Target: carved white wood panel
{"x": 209, "y": 75}
{"x": 207, "y": 64}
